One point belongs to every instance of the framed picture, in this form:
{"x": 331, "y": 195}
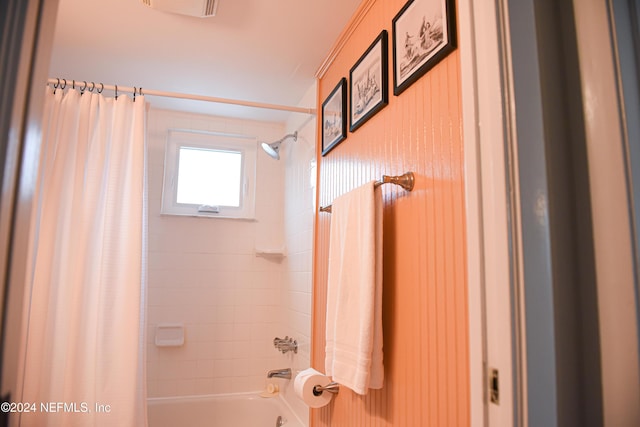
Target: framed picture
{"x": 369, "y": 80}
{"x": 423, "y": 34}
{"x": 334, "y": 123}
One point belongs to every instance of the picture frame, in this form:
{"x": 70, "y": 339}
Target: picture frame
{"x": 334, "y": 123}
{"x": 424, "y": 33}
{"x": 369, "y": 82}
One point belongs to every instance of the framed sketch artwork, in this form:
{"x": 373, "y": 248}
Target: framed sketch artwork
{"x": 369, "y": 82}
{"x": 334, "y": 123}
{"x": 423, "y": 34}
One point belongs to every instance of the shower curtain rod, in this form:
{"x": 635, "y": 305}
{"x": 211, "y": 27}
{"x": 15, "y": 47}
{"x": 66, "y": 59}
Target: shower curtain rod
{"x": 140, "y": 91}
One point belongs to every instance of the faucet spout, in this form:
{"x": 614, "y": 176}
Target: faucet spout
{"x": 280, "y": 373}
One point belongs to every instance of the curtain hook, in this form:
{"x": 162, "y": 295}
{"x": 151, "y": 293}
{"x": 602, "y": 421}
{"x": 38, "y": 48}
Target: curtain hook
{"x": 101, "y": 88}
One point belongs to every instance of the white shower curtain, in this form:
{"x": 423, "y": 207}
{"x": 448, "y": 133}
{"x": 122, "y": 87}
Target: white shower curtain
{"x": 84, "y": 347}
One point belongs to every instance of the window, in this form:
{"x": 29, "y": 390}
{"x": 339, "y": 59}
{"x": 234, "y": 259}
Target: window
{"x": 208, "y": 174}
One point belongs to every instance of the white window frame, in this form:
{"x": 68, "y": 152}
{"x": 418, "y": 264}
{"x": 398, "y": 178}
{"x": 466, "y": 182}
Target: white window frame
{"x": 247, "y": 146}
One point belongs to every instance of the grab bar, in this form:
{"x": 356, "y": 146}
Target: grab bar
{"x": 406, "y": 181}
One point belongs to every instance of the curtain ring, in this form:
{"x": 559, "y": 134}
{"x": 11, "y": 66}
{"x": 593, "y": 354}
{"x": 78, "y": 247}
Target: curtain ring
{"x": 141, "y": 91}
{"x": 101, "y": 88}
{"x": 93, "y": 86}
{"x": 116, "y": 92}
{"x": 134, "y": 94}
{"x": 56, "y": 86}
{"x": 73, "y": 84}
{"x": 65, "y": 84}
{"x": 82, "y": 89}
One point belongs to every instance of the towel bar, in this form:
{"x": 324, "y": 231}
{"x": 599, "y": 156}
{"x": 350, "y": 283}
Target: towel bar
{"x": 406, "y": 181}
{"x": 332, "y": 387}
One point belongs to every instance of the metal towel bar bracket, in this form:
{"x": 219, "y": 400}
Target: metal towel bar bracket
{"x": 332, "y": 387}
{"x": 406, "y": 181}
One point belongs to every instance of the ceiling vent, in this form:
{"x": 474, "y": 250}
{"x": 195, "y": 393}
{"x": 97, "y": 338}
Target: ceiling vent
{"x": 198, "y": 8}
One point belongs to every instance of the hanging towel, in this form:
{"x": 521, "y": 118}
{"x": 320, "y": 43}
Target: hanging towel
{"x": 354, "y": 291}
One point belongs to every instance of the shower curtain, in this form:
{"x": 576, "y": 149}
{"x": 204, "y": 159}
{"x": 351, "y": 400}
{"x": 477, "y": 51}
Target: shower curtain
{"x": 84, "y": 338}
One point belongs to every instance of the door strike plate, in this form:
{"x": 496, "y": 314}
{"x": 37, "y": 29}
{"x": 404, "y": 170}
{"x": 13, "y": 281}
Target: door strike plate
{"x": 494, "y": 386}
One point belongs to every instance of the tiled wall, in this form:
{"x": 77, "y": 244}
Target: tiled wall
{"x": 299, "y": 199}
{"x": 203, "y": 272}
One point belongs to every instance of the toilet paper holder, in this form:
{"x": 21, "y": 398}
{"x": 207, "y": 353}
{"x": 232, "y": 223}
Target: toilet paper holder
{"x": 332, "y": 387}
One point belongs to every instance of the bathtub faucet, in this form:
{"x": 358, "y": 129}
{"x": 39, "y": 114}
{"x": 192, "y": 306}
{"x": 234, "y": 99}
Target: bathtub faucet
{"x": 286, "y": 344}
{"x": 280, "y": 373}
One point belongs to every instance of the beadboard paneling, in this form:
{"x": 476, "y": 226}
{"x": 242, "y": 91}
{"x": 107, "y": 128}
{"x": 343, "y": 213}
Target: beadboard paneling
{"x": 425, "y": 297}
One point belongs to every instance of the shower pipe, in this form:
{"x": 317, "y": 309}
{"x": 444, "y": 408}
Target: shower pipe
{"x": 406, "y": 181}
{"x": 82, "y": 84}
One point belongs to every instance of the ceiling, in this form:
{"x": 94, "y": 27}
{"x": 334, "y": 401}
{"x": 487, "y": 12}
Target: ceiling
{"x": 253, "y": 50}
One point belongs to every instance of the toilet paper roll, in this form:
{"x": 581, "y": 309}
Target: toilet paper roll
{"x": 305, "y": 382}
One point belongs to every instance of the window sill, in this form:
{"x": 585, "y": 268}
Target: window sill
{"x": 213, "y": 216}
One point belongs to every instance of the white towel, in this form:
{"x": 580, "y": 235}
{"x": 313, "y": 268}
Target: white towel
{"x": 354, "y": 291}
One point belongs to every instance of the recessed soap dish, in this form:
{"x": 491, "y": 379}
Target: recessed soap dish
{"x": 169, "y": 335}
{"x": 271, "y": 253}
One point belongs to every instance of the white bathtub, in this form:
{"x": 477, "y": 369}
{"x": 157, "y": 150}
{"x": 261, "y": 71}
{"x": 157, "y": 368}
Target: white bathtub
{"x": 229, "y": 410}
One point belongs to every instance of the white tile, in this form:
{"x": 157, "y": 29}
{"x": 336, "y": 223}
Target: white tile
{"x": 226, "y": 297}
{"x": 223, "y": 350}
{"x": 201, "y": 331}
{"x": 223, "y": 368}
{"x": 205, "y": 368}
{"x": 224, "y": 314}
{"x": 172, "y": 369}
{"x": 166, "y": 388}
{"x": 203, "y": 386}
{"x": 206, "y": 314}
{"x": 264, "y": 348}
{"x": 241, "y": 349}
{"x": 225, "y": 332}
{"x": 222, "y": 385}
{"x": 240, "y": 367}
{"x": 264, "y": 331}
{"x": 244, "y": 296}
{"x": 242, "y": 331}
{"x": 153, "y": 387}
{"x": 207, "y": 349}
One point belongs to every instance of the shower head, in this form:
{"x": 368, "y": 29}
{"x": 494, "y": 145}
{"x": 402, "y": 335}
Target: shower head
{"x": 273, "y": 149}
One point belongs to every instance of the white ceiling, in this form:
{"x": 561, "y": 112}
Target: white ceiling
{"x": 254, "y": 50}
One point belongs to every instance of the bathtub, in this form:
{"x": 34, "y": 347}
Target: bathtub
{"x": 228, "y": 410}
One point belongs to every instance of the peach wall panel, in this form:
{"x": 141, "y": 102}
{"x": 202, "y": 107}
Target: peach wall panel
{"x": 425, "y": 299}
